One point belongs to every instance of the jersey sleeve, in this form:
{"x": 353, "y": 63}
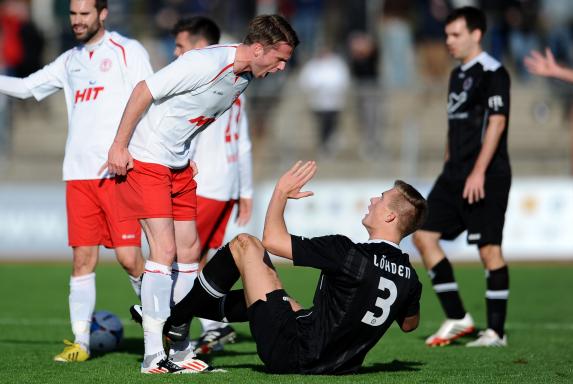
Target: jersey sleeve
{"x": 184, "y": 74}
{"x": 14, "y": 86}
{"x": 412, "y": 306}
{"x": 138, "y": 65}
{"x": 245, "y": 154}
{"x": 326, "y": 253}
{"x": 497, "y": 93}
{"x": 49, "y": 79}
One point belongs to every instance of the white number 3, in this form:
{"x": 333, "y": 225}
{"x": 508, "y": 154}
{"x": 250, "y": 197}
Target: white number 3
{"x": 385, "y": 304}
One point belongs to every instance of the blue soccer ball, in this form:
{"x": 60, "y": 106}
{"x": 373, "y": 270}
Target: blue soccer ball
{"x": 106, "y": 332}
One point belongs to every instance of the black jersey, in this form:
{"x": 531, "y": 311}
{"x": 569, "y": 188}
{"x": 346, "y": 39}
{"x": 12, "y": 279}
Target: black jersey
{"x": 477, "y": 90}
{"x": 362, "y": 289}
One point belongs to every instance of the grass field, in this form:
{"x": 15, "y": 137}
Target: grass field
{"x": 34, "y": 320}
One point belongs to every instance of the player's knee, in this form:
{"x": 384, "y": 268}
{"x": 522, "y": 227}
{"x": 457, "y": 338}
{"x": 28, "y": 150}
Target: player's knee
{"x": 491, "y": 256}
{"x": 245, "y": 245}
{"x": 423, "y": 240}
{"x": 84, "y": 261}
{"x": 130, "y": 259}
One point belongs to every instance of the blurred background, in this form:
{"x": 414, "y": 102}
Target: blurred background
{"x": 364, "y": 95}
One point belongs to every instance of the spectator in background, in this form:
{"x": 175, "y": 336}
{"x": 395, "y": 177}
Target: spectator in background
{"x": 434, "y": 60}
{"x": 523, "y": 37}
{"x": 556, "y": 20}
{"x": 306, "y": 21}
{"x": 546, "y": 66}
{"x": 325, "y": 79}
{"x": 364, "y": 69}
{"x": 395, "y": 33}
{"x": 495, "y": 40}
{"x": 21, "y": 46}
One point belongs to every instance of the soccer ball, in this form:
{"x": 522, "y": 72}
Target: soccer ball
{"x": 106, "y": 332}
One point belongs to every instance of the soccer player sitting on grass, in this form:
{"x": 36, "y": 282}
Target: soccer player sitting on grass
{"x": 362, "y": 290}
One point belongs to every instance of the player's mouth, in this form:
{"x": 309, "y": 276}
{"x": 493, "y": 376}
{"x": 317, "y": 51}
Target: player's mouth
{"x": 79, "y": 29}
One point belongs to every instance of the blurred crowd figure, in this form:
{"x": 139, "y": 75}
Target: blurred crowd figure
{"x": 325, "y": 80}
{"x": 387, "y": 45}
{"x": 21, "y": 49}
{"x": 363, "y": 59}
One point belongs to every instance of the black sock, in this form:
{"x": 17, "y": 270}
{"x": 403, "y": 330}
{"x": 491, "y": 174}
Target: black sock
{"x": 235, "y": 306}
{"x": 212, "y": 284}
{"x": 221, "y": 272}
{"x": 496, "y": 299}
{"x": 446, "y": 288}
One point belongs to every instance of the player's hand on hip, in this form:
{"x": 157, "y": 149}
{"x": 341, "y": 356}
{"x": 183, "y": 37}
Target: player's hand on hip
{"x": 194, "y": 167}
{"x": 474, "y": 190}
{"x": 294, "y": 179}
{"x": 245, "y": 211}
{"x": 119, "y": 160}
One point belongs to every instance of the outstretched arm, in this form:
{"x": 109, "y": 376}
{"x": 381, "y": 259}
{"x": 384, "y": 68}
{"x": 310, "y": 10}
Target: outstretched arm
{"x": 276, "y": 238}
{"x": 546, "y": 66}
{"x": 15, "y": 87}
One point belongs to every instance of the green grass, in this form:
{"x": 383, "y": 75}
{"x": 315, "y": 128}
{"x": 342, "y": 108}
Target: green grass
{"x": 34, "y": 320}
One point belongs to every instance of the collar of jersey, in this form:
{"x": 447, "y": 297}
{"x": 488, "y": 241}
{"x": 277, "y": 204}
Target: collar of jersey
{"x": 383, "y": 241}
{"x": 471, "y": 63}
{"x": 93, "y": 47}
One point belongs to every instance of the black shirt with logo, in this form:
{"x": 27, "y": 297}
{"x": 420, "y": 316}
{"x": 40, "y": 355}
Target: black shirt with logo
{"x": 477, "y": 90}
{"x": 362, "y": 289}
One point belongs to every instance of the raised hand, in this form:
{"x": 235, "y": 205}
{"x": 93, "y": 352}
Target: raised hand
{"x": 294, "y": 179}
{"x": 540, "y": 65}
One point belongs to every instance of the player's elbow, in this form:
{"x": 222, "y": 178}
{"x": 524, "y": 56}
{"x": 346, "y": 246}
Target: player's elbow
{"x": 268, "y": 243}
{"x": 410, "y": 323}
{"x": 277, "y": 245}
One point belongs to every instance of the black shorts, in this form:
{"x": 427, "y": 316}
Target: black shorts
{"x": 450, "y": 214}
{"x": 274, "y": 328}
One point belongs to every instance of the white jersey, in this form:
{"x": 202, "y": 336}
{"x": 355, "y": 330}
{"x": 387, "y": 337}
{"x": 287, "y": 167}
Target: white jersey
{"x": 97, "y": 81}
{"x": 223, "y": 156}
{"x": 189, "y": 94}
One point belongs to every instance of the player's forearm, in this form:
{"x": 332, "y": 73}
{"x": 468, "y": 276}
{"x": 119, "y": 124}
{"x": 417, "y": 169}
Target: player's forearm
{"x": 495, "y": 128}
{"x": 564, "y": 74}
{"x": 15, "y": 87}
{"x": 276, "y": 238}
{"x": 138, "y": 103}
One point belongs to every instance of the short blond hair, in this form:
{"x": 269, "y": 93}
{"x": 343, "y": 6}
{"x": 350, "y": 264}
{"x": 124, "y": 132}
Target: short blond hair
{"x": 410, "y": 206}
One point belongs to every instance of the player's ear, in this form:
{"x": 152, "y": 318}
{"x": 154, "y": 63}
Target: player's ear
{"x": 391, "y": 216}
{"x": 476, "y": 35}
{"x": 258, "y": 49}
{"x": 103, "y": 15}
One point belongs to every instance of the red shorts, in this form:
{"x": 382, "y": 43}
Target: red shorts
{"x": 212, "y": 219}
{"x": 93, "y": 216}
{"x": 152, "y": 190}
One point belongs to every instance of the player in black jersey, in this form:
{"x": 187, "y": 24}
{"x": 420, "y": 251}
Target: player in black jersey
{"x": 362, "y": 290}
{"x": 472, "y": 191}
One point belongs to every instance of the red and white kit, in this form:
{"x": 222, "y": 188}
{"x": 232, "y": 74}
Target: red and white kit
{"x": 97, "y": 81}
{"x": 188, "y": 98}
{"x": 223, "y": 156}
{"x": 205, "y": 87}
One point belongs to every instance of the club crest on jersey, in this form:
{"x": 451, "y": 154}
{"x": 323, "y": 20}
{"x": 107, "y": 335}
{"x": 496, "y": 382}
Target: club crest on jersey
{"x": 468, "y": 83}
{"x": 105, "y": 65}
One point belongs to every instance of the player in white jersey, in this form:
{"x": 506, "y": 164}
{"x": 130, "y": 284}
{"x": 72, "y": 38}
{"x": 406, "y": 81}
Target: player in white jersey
{"x": 223, "y": 154}
{"x": 172, "y": 107}
{"x": 97, "y": 77}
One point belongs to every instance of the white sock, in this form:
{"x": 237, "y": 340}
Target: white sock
{"x": 82, "y": 304}
{"x": 208, "y": 325}
{"x": 136, "y": 284}
{"x": 155, "y": 294}
{"x": 183, "y": 277}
